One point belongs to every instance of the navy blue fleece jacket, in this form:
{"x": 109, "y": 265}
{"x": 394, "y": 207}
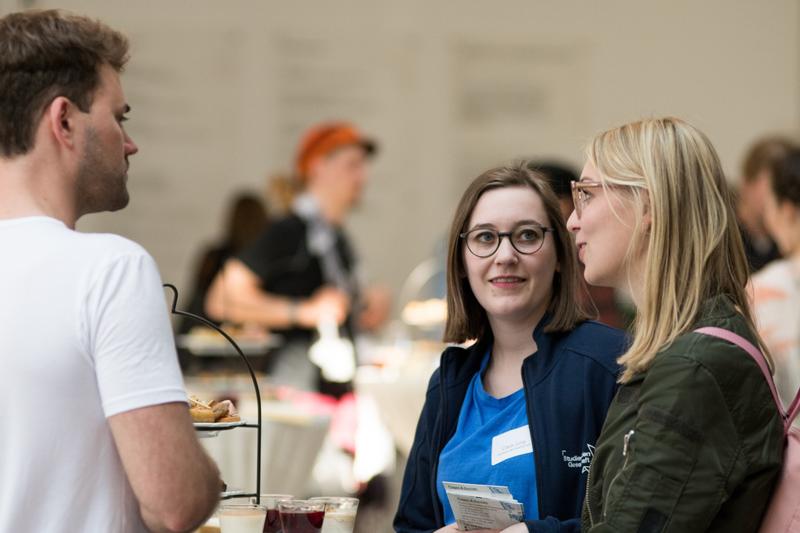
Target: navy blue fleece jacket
{"x": 569, "y": 383}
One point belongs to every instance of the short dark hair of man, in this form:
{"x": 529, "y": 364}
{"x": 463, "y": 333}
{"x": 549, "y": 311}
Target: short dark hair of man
{"x": 786, "y": 179}
{"x": 766, "y": 153}
{"x": 45, "y": 54}
{"x": 558, "y": 176}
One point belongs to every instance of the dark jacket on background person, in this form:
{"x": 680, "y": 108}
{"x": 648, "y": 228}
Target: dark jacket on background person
{"x": 285, "y": 266}
{"x": 695, "y": 443}
{"x": 569, "y": 383}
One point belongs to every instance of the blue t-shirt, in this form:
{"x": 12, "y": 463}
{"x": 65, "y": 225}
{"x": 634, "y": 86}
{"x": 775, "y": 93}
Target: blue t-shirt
{"x": 468, "y": 456}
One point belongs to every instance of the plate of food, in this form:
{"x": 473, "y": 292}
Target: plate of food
{"x": 214, "y": 415}
{"x": 216, "y": 426}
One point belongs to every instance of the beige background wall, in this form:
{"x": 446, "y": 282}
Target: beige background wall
{"x": 220, "y": 91}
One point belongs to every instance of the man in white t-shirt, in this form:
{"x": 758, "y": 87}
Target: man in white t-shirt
{"x": 96, "y": 435}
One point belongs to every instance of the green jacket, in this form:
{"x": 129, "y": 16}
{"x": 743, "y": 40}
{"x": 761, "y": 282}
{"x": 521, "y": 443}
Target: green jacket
{"x": 695, "y": 443}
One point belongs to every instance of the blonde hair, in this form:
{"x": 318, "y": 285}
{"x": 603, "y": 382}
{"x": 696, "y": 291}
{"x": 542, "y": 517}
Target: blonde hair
{"x": 693, "y": 249}
{"x": 281, "y": 192}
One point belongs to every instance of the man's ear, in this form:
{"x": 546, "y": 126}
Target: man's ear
{"x": 61, "y": 115}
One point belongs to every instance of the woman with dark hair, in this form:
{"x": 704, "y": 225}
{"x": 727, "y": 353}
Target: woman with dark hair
{"x": 523, "y": 405}
{"x": 246, "y": 219}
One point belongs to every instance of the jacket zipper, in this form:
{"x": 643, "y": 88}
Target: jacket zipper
{"x": 626, "y": 440}
{"x": 440, "y": 438}
{"x": 536, "y": 463}
{"x": 586, "y": 497}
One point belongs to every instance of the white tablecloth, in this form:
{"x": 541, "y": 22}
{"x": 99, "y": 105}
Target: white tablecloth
{"x": 399, "y": 397}
{"x": 289, "y": 448}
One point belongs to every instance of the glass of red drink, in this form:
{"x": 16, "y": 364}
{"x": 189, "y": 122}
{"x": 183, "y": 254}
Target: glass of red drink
{"x": 301, "y": 516}
{"x": 272, "y": 523}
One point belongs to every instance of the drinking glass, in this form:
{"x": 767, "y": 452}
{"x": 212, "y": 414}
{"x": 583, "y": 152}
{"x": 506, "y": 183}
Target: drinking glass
{"x": 301, "y": 516}
{"x": 340, "y": 514}
{"x": 241, "y": 517}
{"x": 272, "y": 522}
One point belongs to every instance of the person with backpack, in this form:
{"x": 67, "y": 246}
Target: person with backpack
{"x": 693, "y": 440}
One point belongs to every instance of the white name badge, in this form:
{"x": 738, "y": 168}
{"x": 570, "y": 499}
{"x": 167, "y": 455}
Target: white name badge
{"x": 511, "y": 444}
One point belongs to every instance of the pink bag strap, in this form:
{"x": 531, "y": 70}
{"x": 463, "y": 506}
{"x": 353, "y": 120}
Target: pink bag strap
{"x": 758, "y": 357}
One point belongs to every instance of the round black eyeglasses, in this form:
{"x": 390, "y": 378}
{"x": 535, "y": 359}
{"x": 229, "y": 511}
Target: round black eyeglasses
{"x": 484, "y": 242}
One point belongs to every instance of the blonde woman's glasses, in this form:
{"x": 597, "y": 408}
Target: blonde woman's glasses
{"x": 579, "y": 195}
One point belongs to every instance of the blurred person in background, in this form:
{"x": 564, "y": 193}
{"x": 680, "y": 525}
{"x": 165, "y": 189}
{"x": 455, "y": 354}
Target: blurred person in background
{"x": 559, "y": 176}
{"x": 302, "y": 270}
{"x": 540, "y": 376}
{"x": 602, "y": 299}
{"x": 99, "y": 437}
{"x": 760, "y": 162}
{"x": 693, "y": 440}
{"x": 246, "y": 219}
{"x": 777, "y": 286}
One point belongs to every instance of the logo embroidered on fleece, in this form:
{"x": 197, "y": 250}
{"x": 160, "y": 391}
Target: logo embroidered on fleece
{"x": 582, "y": 461}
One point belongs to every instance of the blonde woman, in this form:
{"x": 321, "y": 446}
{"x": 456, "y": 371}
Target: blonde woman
{"x": 693, "y": 440}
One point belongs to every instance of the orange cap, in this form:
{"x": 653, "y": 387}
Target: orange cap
{"x": 323, "y": 139}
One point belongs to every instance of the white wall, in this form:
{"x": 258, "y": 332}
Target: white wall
{"x": 220, "y": 91}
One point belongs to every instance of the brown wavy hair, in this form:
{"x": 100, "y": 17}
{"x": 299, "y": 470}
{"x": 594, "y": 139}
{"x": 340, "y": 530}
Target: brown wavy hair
{"x": 466, "y": 318}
